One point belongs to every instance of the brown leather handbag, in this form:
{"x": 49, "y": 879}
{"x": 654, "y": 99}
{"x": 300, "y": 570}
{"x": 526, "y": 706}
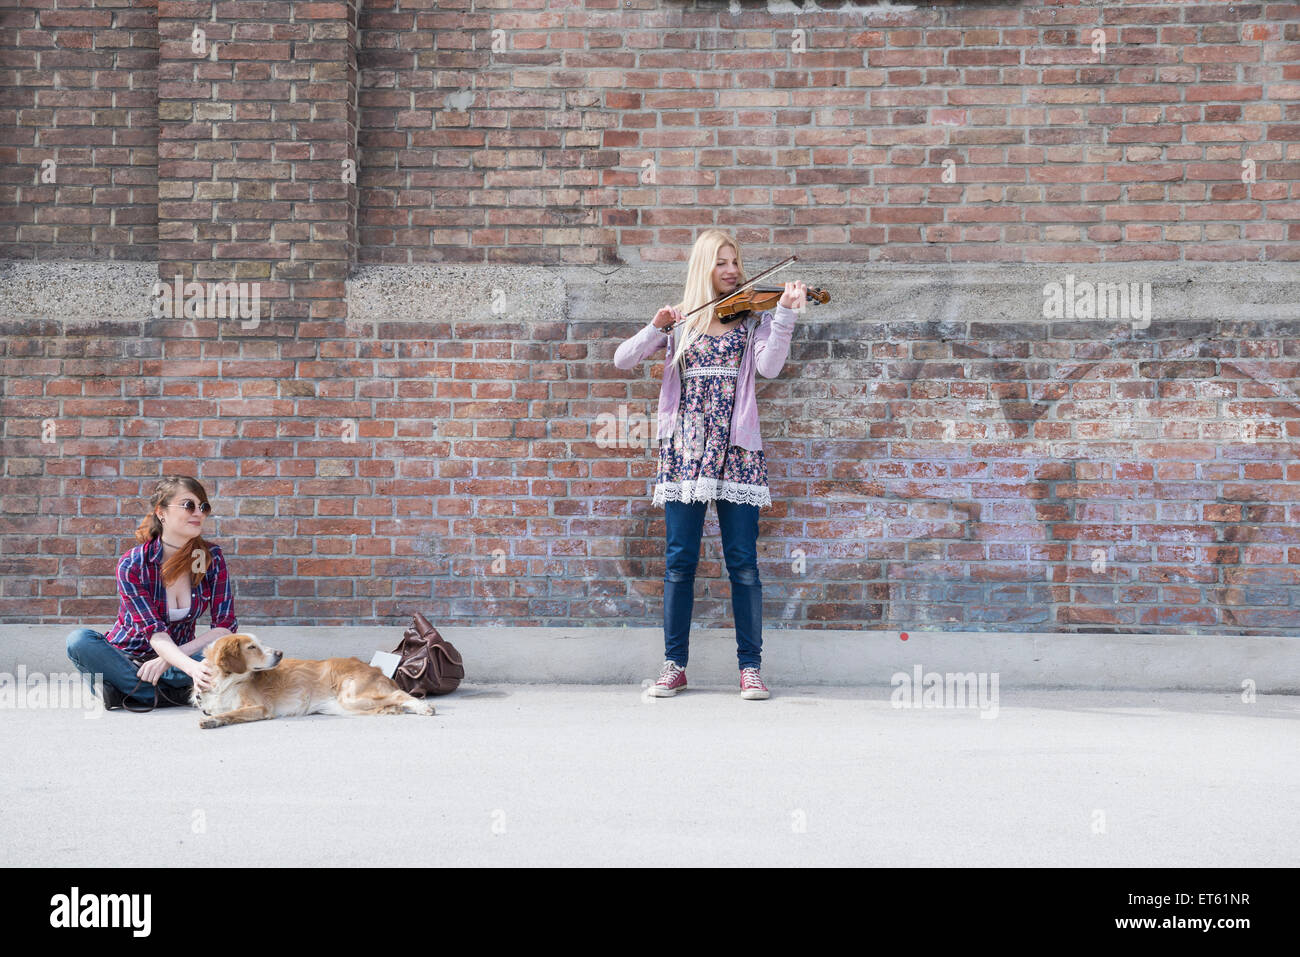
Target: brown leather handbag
{"x": 429, "y": 664}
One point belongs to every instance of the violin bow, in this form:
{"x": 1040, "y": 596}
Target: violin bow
{"x": 727, "y": 295}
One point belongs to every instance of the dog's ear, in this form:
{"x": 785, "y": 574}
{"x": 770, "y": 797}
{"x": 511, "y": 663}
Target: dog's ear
{"x": 230, "y": 655}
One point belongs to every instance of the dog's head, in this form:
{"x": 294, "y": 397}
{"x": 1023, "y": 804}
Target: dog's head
{"x": 239, "y": 653}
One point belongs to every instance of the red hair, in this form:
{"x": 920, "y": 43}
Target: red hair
{"x": 195, "y": 555}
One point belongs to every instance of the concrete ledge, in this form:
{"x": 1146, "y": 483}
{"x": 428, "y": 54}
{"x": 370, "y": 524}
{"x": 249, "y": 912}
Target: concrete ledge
{"x": 76, "y": 293}
{"x": 790, "y": 656}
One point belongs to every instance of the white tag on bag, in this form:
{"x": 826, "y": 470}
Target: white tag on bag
{"x": 386, "y": 662}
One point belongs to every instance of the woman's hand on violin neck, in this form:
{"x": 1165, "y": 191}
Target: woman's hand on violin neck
{"x": 795, "y": 296}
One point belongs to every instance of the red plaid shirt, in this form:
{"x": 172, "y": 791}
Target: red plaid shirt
{"x": 142, "y": 611}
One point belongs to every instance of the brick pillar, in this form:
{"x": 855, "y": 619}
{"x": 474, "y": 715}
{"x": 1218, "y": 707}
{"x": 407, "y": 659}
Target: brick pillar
{"x": 257, "y": 150}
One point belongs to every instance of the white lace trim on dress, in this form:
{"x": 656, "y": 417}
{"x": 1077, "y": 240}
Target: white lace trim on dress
{"x": 706, "y": 489}
{"x": 728, "y": 371}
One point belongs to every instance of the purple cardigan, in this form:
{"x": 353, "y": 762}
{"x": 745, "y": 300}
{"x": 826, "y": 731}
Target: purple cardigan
{"x": 766, "y": 347}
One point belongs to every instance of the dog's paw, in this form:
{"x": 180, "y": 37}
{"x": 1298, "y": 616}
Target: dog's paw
{"x": 211, "y": 722}
{"x": 426, "y": 708}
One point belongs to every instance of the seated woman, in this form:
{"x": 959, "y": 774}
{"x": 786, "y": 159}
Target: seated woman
{"x": 164, "y": 585}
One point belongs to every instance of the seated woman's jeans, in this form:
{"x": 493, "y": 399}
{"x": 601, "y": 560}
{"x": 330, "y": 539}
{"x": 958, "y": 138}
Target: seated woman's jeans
{"x": 92, "y": 655}
{"x": 684, "y": 524}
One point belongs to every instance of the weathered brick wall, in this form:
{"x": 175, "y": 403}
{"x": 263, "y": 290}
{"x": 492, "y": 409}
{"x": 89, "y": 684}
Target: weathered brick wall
{"x": 1069, "y": 133}
{"x": 79, "y": 121}
{"x": 940, "y": 455}
{"x": 611, "y": 133}
{"x": 258, "y": 128}
{"x": 942, "y": 452}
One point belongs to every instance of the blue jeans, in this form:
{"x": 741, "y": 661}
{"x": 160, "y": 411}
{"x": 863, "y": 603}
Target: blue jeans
{"x": 92, "y": 655}
{"x": 684, "y": 523}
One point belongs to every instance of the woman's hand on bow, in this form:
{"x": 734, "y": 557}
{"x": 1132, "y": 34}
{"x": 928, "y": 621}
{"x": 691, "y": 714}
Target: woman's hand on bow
{"x": 667, "y": 315}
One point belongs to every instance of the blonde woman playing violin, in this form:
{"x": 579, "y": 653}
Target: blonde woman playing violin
{"x": 710, "y": 449}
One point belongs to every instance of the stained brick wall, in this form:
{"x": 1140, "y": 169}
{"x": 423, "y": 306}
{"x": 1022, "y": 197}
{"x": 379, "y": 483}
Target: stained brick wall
{"x": 940, "y": 454}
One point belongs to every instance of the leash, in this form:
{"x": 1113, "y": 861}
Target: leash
{"x": 157, "y": 689}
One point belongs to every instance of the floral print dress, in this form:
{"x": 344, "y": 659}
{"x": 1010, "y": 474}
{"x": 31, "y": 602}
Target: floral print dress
{"x": 698, "y": 463}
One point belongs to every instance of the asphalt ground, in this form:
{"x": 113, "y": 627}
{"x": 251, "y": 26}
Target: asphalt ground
{"x": 524, "y": 775}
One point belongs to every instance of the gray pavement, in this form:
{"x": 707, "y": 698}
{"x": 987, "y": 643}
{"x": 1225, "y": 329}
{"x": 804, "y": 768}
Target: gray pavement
{"x": 512, "y": 774}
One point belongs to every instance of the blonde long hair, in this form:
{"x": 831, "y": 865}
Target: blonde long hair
{"x": 699, "y": 284}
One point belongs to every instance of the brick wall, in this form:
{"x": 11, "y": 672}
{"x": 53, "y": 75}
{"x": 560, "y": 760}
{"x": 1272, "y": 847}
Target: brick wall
{"x": 942, "y": 453}
{"x": 79, "y": 154}
{"x": 939, "y": 455}
{"x": 611, "y": 133}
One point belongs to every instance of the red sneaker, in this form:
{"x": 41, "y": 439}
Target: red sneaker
{"x": 751, "y": 685}
{"x": 671, "y": 680}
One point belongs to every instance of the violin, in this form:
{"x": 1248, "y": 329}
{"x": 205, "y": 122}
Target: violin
{"x": 759, "y": 299}
{"x": 732, "y": 306}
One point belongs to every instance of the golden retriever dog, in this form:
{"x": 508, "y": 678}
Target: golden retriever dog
{"x": 252, "y": 683}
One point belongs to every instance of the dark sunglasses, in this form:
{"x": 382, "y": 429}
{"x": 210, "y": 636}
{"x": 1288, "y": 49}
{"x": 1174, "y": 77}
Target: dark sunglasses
{"x": 189, "y": 506}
